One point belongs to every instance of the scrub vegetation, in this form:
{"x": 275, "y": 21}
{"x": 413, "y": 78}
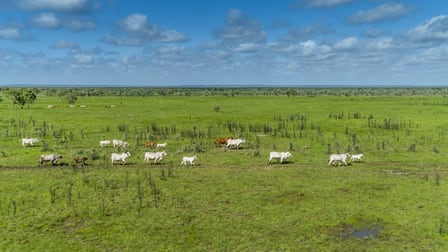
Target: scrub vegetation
{"x": 231, "y": 199}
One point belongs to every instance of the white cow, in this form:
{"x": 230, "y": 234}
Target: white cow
{"x": 29, "y": 141}
{"x": 356, "y": 157}
{"x": 156, "y": 156}
{"x": 280, "y": 156}
{"x": 104, "y": 143}
{"x": 235, "y": 142}
{"x": 161, "y": 145}
{"x": 339, "y": 157}
{"x": 119, "y": 143}
{"x": 188, "y": 159}
{"x": 120, "y": 157}
{"x": 52, "y": 158}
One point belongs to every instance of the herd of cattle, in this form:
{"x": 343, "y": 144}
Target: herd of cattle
{"x": 157, "y": 156}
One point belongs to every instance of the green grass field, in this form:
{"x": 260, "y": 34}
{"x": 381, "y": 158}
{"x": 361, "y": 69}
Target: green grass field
{"x": 232, "y": 200}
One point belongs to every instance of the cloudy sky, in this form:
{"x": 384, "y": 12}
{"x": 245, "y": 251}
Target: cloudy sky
{"x": 224, "y": 42}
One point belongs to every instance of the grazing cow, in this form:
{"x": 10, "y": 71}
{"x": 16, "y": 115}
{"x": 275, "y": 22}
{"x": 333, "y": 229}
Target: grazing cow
{"x": 235, "y": 142}
{"x": 156, "y": 156}
{"x": 104, "y": 143}
{"x": 120, "y": 157}
{"x": 339, "y": 157}
{"x": 280, "y": 156}
{"x": 356, "y": 157}
{"x": 80, "y": 161}
{"x": 29, "y": 141}
{"x": 188, "y": 159}
{"x": 119, "y": 143}
{"x": 222, "y": 140}
{"x": 51, "y": 158}
{"x": 161, "y": 145}
{"x": 150, "y": 144}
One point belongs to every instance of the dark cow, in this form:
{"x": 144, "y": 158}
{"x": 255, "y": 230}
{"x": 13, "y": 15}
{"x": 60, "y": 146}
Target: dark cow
{"x": 79, "y": 161}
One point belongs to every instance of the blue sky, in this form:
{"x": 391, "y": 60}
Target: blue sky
{"x": 224, "y": 42}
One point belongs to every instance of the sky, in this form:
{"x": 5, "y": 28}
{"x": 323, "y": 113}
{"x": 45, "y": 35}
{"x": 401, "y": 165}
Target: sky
{"x": 224, "y": 42}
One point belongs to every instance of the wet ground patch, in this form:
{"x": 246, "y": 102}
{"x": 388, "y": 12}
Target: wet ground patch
{"x": 359, "y": 229}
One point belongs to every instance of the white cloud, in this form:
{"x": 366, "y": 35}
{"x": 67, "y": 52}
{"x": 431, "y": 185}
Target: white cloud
{"x": 383, "y": 12}
{"x": 346, "y": 44}
{"x": 433, "y": 30}
{"x": 65, "y": 44}
{"x": 77, "y": 25}
{"x": 310, "y": 49}
{"x": 380, "y": 43}
{"x": 321, "y": 3}
{"x": 240, "y": 29}
{"x": 248, "y": 47}
{"x": 47, "y": 20}
{"x": 135, "y": 30}
{"x": 53, "y": 21}
{"x": 57, "y": 5}
{"x": 10, "y": 33}
{"x": 84, "y": 59}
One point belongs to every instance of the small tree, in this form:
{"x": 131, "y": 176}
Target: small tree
{"x": 68, "y": 96}
{"x": 23, "y": 96}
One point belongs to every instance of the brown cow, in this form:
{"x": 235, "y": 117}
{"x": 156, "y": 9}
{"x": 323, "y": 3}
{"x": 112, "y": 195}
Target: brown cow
{"x": 150, "y": 144}
{"x": 80, "y": 161}
{"x": 222, "y": 140}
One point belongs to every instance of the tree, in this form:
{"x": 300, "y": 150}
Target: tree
{"x": 23, "y": 96}
{"x": 68, "y": 96}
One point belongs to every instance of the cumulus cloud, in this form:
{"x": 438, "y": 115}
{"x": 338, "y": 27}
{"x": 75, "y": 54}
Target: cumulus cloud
{"x": 346, "y": 44}
{"x": 11, "y": 33}
{"x": 320, "y": 3}
{"x": 383, "y": 12}
{"x": 248, "y": 47}
{"x": 58, "y": 5}
{"x": 76, "y": 24}
{"x": 53, "y": 21}
{"x": 380, "y": 43}
{"x": 65, "y": 44}
{"x": 240, "y": 29}
{"x": 308, "y": 32}
{"x": 433, "y": 30}
{"x": 47, "y": 20}
{"x": 135, "y": 30}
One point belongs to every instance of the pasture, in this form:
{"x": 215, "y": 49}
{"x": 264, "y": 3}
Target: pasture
{"x": 232, "y": 199}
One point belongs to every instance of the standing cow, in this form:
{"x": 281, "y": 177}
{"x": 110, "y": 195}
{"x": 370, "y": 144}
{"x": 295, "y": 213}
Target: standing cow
{"x": 50, "y": 158}
{"x": 235, "y": 143}
{"x": 119, "y": 143}
{"x": 104, "y": 143}
{"x": 189, "y": 160}
{"x": 29, "y": 141}
{"x": 339, "y": 158}
{"x": 120, "y": 157}
{"x": 280, "y": 156}
{"x": 156, "y": 156}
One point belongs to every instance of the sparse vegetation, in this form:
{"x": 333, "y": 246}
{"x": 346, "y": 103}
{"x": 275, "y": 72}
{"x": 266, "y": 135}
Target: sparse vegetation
{"x": 231, "y": 199}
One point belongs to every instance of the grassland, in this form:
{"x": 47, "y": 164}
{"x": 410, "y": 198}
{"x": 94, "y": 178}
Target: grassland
{"x": 232, "y": 200}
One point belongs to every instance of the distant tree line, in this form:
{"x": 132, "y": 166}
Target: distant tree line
{"x": 26, "y": 96}
{"x": 243, "y": 91}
